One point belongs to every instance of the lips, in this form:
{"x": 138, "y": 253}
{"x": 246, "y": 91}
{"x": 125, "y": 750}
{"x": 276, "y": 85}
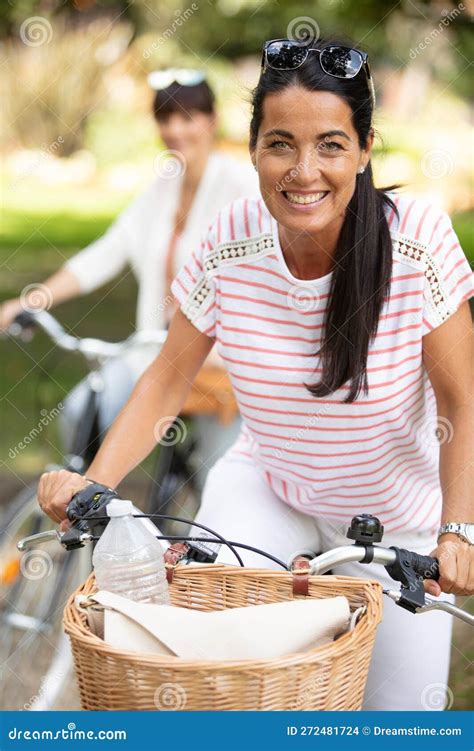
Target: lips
{"x": 305, "y": 199}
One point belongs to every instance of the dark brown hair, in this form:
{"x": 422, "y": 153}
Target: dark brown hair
{"x": 184, "y": 99}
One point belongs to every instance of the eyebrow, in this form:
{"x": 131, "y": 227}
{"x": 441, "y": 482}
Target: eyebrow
{"x": 287, "y": 134}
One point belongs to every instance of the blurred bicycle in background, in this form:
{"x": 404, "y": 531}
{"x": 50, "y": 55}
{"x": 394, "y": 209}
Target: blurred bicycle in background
{"x": 35, "y": 657}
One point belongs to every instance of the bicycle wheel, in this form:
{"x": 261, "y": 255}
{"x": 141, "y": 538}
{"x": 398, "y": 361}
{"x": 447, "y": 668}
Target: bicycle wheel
{"x": 177, "y": 497}
{"x": 34, "y": 585}
{"x": 173, "y": 491}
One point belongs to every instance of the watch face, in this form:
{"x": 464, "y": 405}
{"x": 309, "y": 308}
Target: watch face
{"x": 469, "y": 532}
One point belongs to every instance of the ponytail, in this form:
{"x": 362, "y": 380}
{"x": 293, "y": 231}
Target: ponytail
{"x": 359, "y": 287}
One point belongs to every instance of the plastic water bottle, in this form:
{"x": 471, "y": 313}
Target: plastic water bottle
{"x": 128, "y": 559}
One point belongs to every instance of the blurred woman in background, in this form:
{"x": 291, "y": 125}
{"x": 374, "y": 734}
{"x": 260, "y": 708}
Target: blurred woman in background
{"x": 154, "y": 236}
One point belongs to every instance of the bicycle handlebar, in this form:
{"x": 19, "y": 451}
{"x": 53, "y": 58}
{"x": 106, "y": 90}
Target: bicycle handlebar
{"x": 88, "y": 347}
{"x": 396, "y": 561}
{"x": 87, "y": 512}
{"x": 349, "y": 554}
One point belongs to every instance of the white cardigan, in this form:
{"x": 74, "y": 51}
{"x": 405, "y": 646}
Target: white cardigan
{"x": 140, "y": 236}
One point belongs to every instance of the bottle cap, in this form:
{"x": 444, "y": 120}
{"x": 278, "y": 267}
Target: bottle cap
{"x": 117, "y": 507}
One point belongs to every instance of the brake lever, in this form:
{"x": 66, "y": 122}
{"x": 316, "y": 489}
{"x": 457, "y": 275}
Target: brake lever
{"x": 71, "y": 539}
{"x": 33, "y": 540}
{"x": 86, "y": 513}
{"x": 431, "y": 604}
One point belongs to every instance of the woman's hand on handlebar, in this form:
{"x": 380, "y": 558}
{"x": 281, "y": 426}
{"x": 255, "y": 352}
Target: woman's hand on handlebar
{"x": 56, "y": 489}
{"x": 9, "y": 311}
{"x": 456, "y": 567}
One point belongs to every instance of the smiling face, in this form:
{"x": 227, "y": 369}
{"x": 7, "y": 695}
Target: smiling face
{"x": 307, "y": 156}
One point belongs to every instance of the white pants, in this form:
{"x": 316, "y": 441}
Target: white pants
{"x": 410, "y": 664}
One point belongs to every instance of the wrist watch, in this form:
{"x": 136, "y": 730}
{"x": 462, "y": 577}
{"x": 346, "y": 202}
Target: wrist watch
{"x": 464, "y": 531}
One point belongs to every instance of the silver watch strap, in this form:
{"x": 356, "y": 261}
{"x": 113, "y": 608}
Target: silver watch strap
{"x": 453, "y": 527}
{"x": 464, "y": 531}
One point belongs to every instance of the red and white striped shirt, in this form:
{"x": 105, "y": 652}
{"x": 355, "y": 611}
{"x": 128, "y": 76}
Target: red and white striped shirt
{"x": 378, "y": 455}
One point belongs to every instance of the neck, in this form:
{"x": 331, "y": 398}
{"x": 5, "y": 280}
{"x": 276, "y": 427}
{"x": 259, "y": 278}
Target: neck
{"x": 309, "y": 256}
{"x": 195, "y": 169}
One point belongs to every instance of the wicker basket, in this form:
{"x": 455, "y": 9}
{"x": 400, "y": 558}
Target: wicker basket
{"x": 331, "y": 677}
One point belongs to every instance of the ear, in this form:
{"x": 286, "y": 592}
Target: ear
{"x": 253, "y": 156}
{"x": 370, "y": 143}
{"x": 366, "y": 153}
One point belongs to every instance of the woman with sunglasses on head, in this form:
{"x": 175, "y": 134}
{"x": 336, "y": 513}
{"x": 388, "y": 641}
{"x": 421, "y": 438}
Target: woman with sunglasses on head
{"x": 154, "y": 236}
{"x": 341, "y": 313}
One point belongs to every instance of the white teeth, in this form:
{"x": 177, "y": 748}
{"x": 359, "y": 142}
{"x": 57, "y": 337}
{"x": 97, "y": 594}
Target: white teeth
{"x": 305, "y": 199}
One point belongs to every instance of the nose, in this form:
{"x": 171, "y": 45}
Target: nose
{"x": 308, "y": 168}
{"x": 174, "y": 128}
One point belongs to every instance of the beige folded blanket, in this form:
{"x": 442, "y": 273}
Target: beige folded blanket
{"x": 254, "y": 632}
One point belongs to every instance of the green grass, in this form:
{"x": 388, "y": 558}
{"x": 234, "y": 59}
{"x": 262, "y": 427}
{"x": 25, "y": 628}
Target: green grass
{"x": 463, "y": 225}
{"x": 62, "y": 229}
{"x": 36, "y": 239}
{"x": 35, "y": 216}
{"x": 35, "y": 375}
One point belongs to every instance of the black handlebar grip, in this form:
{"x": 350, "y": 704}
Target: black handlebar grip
{"x": 26, "y": 320}
{"x": 426, "y": 566}
{"x": 90, "y": 501}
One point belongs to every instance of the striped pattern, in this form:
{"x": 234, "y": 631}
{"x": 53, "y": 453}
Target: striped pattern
{"x": 326, "y": 458}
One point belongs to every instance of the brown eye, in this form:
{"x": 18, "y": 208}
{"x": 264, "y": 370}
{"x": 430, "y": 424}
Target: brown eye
{"x": 278, "y": 144}
{"x": 330, "y": 146}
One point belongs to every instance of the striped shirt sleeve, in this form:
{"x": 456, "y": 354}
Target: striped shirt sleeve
{"x": 449, "y": 279}
{"x": 194, "y": 288}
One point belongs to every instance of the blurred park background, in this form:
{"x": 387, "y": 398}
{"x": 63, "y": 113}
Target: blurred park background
{"x": 78, "y": 142}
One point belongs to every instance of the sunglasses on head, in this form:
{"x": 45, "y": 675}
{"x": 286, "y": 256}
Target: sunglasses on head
{"x": 161, "y": 79}
{"x": 335, "y": 60}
